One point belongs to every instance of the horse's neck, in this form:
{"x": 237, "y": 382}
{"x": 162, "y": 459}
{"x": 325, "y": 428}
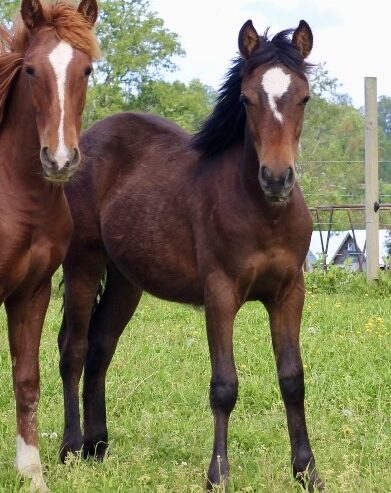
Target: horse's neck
{"x": 249, "y": 167}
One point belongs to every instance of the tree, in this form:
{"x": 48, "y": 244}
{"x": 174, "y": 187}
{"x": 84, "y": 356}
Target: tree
{"x": 384, "y": 110}
{"x": 187, "y": 105}
{"x": 136, "y": 48}
{"x": 8, "y": 9}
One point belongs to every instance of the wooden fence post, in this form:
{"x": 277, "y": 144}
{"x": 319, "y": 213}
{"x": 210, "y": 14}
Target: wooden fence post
{"x": 371, "y": 178}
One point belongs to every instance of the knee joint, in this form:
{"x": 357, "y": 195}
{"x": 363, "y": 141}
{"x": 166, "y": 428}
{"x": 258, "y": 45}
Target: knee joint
{"x": 223, "y": 394}
{"x": 27, "y": 394}
{"x": 292, "y": 388}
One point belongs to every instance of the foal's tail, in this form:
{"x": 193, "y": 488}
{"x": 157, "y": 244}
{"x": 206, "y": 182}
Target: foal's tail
{"x": 98, "y": 296}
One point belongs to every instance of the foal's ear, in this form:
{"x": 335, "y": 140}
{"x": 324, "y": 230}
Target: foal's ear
{"x": 249, "y": 40}
{"x": 89, "y": 10}
{"x": 32, "y": 13}
{"x": 302, "y": 39}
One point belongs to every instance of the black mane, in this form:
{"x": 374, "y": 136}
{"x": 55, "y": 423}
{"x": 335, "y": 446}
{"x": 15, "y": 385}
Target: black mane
{"x": 225, "y": 126}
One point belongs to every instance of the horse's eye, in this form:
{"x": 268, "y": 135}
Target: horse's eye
{"x": 88, "y": 71}
{"x": 243, "y": 99}
{"x": 30, "y": 71}
{"x": 305, "y": 100}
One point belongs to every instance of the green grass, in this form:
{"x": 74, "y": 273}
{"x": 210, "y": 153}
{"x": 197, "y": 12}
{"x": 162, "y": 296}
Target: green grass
{"x": 159, "y": 420}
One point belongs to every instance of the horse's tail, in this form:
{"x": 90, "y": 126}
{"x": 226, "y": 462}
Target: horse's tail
{"x": 98, "y": 296}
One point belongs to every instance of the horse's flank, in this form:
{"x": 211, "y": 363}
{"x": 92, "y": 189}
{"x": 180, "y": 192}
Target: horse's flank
{"x": 69, "y": 26}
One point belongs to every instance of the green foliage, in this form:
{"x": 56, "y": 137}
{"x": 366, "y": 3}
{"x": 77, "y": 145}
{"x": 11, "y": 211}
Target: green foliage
{"x": 338, "y": 280}
{"x": 332, "y": 145}
{"x": 136, "y": 48}
{"x": 136, "y": 45}
{"x": 8, "y": 9}
{"x": 186, "y": 105}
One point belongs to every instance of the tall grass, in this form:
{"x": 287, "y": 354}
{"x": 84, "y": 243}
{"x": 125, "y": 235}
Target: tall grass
{"x": 159, "y": 420}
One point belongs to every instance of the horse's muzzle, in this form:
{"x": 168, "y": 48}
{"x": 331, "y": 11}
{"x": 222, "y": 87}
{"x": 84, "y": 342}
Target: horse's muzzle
{"x": 59, "y": 170}
{"x": 276, "y": 188}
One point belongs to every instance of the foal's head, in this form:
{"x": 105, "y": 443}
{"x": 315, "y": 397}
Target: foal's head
{"x": 275, "y": 90}
{"x": 60, "y": 46}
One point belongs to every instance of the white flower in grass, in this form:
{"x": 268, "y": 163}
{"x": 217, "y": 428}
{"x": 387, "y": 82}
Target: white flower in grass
{"x": 49, "y": 434}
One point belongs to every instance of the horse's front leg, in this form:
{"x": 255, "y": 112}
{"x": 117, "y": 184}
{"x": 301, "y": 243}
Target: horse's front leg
{"x": 285, "y": 320}
{"x": 221, "y": 306}
{"x": 26, "y": 312}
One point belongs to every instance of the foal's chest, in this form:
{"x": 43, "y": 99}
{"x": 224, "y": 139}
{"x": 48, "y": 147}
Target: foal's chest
{"x": 28, "y": 252}
{"x": 268, "y": 272}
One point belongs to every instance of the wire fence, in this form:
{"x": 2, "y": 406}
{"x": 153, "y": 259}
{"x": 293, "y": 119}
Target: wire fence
{"x": 341, "y": 205}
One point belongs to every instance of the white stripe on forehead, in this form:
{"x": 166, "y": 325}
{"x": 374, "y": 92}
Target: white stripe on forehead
{"x": 275, "y": 83}
{"x": 60, "y": 58}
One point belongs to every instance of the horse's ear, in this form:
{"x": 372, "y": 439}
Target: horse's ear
{"x": 32, "y": 13}
{"x": 249, "y": 40}
{"x": 89, "y": 10}
{"x": 302, "y": 39}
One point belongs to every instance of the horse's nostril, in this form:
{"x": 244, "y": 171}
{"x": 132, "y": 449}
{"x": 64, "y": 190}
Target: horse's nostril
{"x": 265, "y": 175}
{"x": 47, "y": 159}
{"x": 75, "y": 160}
{"x": 289, "y": 177}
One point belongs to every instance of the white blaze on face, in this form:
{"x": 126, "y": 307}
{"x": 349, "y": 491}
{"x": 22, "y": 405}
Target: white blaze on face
{"x": 28, "y": 464}
{"x": 275, "y": 83}
{"x": 60, "y": 58}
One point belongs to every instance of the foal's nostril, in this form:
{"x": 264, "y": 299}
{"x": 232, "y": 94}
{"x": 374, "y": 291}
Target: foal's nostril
{"x": 265, "y": 175}
{"x": 289, "y": 177}
{"x": 76, "y": 157}
{"x": 47, "y": 159}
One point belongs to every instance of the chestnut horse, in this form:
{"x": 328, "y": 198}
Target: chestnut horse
{"x": 215, "y": 220}
{"x": 45, "y": 61}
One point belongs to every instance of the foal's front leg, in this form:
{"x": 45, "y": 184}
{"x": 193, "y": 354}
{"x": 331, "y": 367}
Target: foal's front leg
{"x": 221, "y": 306}
{"x": 285, "y": 320}
{"x": 26, "y": 312}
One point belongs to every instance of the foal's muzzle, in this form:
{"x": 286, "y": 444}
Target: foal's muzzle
{"x": 59, "y": 169}
{"x": 276, "y": 187}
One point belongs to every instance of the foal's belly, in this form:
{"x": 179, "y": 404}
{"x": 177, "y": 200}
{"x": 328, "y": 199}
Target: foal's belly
{"x": 164, "y": 266}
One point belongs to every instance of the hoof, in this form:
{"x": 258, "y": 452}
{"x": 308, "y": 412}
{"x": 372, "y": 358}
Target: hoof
{"x": 310, "y": 481}
{"x": 69, "y": 448}
{"x": 38, "y": 485}
{"x": 96, "y": 450}
{"x": 218, "y": 474}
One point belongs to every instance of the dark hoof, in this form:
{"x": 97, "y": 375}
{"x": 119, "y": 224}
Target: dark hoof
{"x": 96, "y": 450}
{"x": 310, "y": 481}
{"x": 70, "y": 448}
{"x": 218, "y": 474}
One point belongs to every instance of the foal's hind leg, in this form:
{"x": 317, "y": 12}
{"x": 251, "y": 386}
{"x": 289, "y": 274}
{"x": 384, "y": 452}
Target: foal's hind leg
{"x": 285, "y": 319}
{"x": 118, "y": 303}
{"x": 82, "y": 274}
{"x": 221, "y": 306}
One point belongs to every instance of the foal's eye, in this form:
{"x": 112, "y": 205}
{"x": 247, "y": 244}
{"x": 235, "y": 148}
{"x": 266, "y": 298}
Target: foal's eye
{"x": 305, "y": 100}
{"x": 88, "y": 71}
{"x": 30, "y": 71}
{"x": 243, "y": 99}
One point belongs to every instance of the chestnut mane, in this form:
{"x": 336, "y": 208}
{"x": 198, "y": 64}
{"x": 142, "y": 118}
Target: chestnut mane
{"x": 69, "y": 26}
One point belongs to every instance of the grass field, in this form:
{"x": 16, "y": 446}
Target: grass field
{"x": 160, "y": 424}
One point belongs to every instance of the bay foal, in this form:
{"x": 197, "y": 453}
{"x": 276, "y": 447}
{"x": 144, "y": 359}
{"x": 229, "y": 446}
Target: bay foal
{"x": 215, "y": 220}
{"x": 45, "y": 61}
